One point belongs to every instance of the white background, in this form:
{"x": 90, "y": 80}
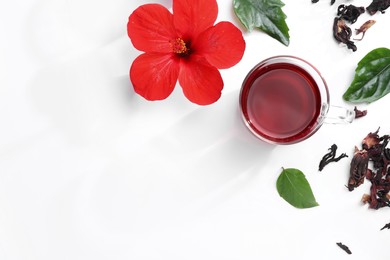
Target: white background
{"x": 91, "y": 170}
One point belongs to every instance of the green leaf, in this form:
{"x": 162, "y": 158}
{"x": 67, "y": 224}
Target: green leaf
{"x": 266, "y": 15}
{"x": 295, "y": 189}
{"x": 372, "y": 78}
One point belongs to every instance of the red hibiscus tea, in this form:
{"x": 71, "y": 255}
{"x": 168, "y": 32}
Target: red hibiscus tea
{"x": 283, "y": 100}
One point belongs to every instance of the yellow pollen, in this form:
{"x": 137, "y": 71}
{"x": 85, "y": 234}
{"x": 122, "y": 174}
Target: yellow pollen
{"x": 179, "y": 46}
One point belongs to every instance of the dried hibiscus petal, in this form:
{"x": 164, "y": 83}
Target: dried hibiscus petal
{"x": 367, "y": 25}
{"x": 316, "y": 1}
{"x": 359, "y": 113}
{"x": 342, "y": 33}
{"x": 330, "y": 157}
{"x": 386, "y": 226}
{"x": 366, "y": 198}
{"x": 344, "y": 247}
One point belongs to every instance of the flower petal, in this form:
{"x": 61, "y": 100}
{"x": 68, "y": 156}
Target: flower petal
{"x": 222, "y": 45}
{"x": 154, "y": 75}
{"x": 202, "y": 83}
{"x": 151, "y": 28}
{"x": 191, "y": 17}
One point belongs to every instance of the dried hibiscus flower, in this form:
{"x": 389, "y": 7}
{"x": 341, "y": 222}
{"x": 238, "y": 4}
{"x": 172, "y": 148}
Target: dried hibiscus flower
{"x": 378, "y": 6}
{"x": 358, "y": 169}
{"x": 371, "y": 140}
{"x": 183, "y": 46}
{"x": 342, "y": 33}
{"x": 373, "y": 150}
{"x": 350, "y": 13}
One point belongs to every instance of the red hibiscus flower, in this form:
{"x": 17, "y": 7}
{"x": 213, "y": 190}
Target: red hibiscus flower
{"x": 184, "y": 46}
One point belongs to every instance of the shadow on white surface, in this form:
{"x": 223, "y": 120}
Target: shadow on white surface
{"x": 62, "y": 28}
{"x": 211, "y": 151}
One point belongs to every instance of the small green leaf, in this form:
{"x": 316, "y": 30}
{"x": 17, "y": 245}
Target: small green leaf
{"x": 295, "y": 189}
{"x": 266, "y": 15}
{"x": 372, "y": 78}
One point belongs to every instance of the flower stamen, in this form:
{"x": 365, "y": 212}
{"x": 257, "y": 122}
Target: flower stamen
{"x": 179, "y": 46}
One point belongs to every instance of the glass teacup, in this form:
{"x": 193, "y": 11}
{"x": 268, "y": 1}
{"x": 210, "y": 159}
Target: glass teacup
{"x": 285, "y": 100}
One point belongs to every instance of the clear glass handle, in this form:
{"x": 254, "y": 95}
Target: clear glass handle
{"x": 339, "y": 115}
